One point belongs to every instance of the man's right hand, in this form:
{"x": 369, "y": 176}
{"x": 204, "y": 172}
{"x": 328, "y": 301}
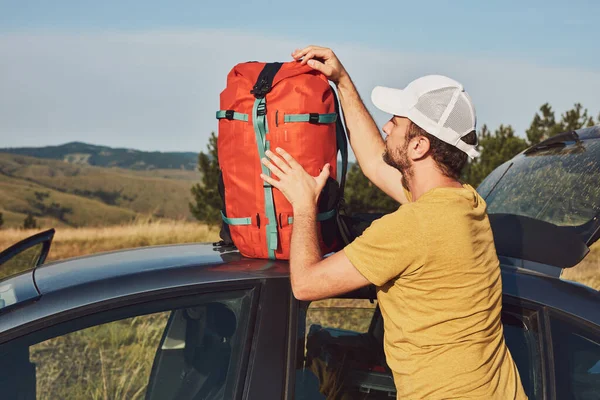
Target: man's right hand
{"x": 324, "y": 60}
{"x": 363, "y": 134}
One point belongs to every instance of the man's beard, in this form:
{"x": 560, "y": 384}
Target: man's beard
{"x": 398, "y": 159}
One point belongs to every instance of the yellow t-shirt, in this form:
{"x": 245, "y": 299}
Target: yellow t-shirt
{"x": 440, "y": 292}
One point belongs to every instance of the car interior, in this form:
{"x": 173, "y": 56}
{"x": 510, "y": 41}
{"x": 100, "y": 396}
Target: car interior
{"x": 345, "y": 364}
{"x": 193, "y": 359}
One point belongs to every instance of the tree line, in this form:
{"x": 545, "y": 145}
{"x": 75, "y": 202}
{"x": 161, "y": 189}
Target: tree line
{"x": 41, "y": 209}
{"x": 28, "y": 223}
{"x": 361, "y": 195}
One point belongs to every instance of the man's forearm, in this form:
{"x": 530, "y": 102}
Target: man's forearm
{"x": 304, "y": 248}
{"x": 363, "y": 134}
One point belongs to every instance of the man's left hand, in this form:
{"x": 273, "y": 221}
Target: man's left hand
{"x": 300, "y": 188}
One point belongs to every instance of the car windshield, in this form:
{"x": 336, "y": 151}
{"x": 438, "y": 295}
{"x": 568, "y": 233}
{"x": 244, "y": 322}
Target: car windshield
{"x": 559, "y": 184}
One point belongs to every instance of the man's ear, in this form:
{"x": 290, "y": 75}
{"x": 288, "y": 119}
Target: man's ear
{"x": 419, "y": 148}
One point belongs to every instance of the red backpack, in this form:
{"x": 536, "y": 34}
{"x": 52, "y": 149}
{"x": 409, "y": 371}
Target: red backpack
{"x": 269, "y": 105}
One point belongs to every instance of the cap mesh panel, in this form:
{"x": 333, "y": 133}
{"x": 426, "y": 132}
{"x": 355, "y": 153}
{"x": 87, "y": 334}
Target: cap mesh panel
{"x": 434, "y": 103}
{"x": 460, "y": 119}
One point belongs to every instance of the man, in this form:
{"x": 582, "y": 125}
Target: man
{"x": 433, "y": 260}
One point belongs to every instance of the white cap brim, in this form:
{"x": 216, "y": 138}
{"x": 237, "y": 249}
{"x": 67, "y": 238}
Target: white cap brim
{"x": 392, "y": 101}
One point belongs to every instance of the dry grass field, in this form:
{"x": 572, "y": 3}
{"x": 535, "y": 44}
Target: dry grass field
{"x": 588, "y": 271}
{"x": 74, "y": 242}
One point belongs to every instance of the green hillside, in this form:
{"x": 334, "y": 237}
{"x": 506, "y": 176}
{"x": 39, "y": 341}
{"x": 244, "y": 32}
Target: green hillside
{"x": 59, "y": 193}
{"x": 103, "y": 156}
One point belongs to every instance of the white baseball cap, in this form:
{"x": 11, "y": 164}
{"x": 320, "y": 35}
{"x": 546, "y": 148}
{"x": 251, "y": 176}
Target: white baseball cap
{"x": 437, "y": 104}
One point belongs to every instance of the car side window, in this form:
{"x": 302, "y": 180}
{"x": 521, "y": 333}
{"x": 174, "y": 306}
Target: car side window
{"x": 183, "y": 352}
{"x": 576, "y": 359}
{"x": 340, "y": 351}
{"x": 103, "y": 361}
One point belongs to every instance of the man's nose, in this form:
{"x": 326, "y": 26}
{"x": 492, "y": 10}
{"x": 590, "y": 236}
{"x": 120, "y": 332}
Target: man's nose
{"x": 385, "y": 130}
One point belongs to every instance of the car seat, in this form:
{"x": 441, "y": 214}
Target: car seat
{"x": 207, "y": 352}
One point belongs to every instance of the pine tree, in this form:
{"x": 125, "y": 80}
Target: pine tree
{"x": 29, "y": 222}
{"x": 576, "y": 118}
{"x": 362, "y": 196}
{"x": 495, "y": 149}
{"x": 543, "y": 126}
{"x": 207, "y": 202}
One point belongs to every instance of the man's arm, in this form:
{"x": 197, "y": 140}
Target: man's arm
{"x": 363, "y": 134}
{"x": 367, "y": 143}
{"x": 313, "y": 277}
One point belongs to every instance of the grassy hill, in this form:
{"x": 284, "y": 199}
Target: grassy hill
{"x": 103, "y": 156}
{"x": 58, "y": 193}
{"x": 78, "y": 184}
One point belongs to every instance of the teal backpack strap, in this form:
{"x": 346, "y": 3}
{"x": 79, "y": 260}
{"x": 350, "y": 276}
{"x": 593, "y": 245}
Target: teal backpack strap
{"x": 259, "y": 112}
{"x": 236, "y": 221}
{"x": 313, "y": 118}
{"x": 320, "y": 216}
{"x": 326, "y": 215}
{"x": 259, "y": 121}
{"x": 230, "y": 114}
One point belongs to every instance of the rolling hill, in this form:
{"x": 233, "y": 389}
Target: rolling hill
{"x": 60, "y": 193}
{"x": 79, "y": 184}
{"x": 103, "y": 156}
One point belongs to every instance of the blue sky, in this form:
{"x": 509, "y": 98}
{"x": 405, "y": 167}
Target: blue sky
{"x": 556, "y": 32}
{"x": 145, "y": 74}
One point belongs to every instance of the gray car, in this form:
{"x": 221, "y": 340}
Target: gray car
{"x": 200, "y": 321}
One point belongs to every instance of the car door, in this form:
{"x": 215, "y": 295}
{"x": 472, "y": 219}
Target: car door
{"x": 26, "y": 254}
{"x": 122, "y": 352}
{"x": 20, "y": 260}
{"x": 267, "y": 350}
{"x": 576, "y": 353}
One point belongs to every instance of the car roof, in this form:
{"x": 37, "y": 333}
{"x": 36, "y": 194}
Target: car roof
{"x": 592, "y": 132}
{"x": 211, "y": 263}
{"x": 102, "y": 278}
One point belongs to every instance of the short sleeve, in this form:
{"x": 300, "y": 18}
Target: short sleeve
{"x": 388, "y": 248}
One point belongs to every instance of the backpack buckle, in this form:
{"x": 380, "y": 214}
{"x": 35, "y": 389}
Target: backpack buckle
{"x": 229, "y": 114}
{"x": 313, "y": 118}
{"x": 261, "y": 88}
{"x": 261, "y": 109}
